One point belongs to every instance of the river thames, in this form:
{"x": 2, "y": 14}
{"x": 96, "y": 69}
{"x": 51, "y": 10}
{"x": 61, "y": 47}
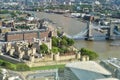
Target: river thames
{"x": 73, "y": 26}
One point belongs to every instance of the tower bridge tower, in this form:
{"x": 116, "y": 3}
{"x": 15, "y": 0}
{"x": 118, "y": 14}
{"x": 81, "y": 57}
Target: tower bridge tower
{"x": 89, "y": 35}
{"x": 110, "y": 33}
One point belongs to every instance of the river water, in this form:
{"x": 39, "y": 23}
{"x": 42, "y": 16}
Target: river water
{"x": 73, "y": 26}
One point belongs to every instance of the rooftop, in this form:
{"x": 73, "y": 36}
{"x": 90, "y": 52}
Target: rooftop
{"x": 92, "y": 69}
{"x": 114, "y": 61}
{"x": 90, "y": 66}
{"x": 26, "y": 31}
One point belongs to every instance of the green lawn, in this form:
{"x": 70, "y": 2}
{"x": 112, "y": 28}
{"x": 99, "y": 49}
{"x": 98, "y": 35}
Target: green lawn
{"x": 24, "y": 67}
{"x": 12, "y": 66}
{"x": 48, "y": 67}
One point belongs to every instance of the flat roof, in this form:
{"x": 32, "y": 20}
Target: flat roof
{"x": 108, "y": 79}
{"x": 88, "y": 70}
{"x": 26, "y": 31}
{"x": 1, "y": 27}
{"x": 90, "y": 66}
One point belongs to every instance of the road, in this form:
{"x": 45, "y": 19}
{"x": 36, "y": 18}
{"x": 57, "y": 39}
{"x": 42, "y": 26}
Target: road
{"x": 14, "y": 73}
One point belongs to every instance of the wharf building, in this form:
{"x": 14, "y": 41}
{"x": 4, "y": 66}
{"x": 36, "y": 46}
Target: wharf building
{"x": 27, "y": 35}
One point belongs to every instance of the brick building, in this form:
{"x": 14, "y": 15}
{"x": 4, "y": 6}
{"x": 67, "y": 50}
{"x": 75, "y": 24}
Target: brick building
{"x": 26, "y": 35}
{"x": 0, "y": 23}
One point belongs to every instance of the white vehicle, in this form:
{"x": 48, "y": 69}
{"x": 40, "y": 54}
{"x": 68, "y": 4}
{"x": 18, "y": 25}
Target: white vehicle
{"x": 75, "y": 14}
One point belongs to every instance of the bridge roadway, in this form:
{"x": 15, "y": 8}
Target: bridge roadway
{"x": 96, "y": 37}
{"x": 101, "y": 35}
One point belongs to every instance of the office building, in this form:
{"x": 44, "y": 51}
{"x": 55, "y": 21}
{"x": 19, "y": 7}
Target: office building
{"x": 86, "y": 70}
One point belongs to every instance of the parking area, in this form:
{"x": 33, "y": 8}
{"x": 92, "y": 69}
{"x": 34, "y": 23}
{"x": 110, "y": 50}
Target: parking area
{"x": 44, "y": 75}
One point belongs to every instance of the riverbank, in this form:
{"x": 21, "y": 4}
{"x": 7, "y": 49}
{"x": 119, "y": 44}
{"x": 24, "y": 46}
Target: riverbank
{"x": 73, "y": 26}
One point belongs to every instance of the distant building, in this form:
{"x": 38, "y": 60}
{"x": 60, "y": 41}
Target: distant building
{"x": 26, "y": 2}
{"x": 113, "y": 65}
{"x": 9, "y": 23}
{"x": 86, "y": 70}
{"x": 88, "y": 17}
{"x": 3, "y": 30}
{"x": 11, "y": 3}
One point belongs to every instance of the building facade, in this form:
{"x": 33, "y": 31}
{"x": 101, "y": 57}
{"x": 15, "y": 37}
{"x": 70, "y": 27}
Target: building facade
{"x": 26, "y": 35}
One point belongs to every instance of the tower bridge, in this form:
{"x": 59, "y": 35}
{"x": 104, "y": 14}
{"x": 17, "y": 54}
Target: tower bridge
{"x": 106, "y": 32}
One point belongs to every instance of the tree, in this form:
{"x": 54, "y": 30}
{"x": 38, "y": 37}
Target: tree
{"x": 63, "y": 49}
{"x": 70, "y": 42}
{"x": 55, "y": 50}
{"x": 63, "y": 42}
{"x": 43, "y": 48}
{"x": 55, "y": 41}
{"x": 58, "y": 33}
{"x": 50, "y": 6}
{"x": 92, "y": 55}
{"x": 67, "y": 41}
{"x": 4, "y": 11}
{"x": 23, "y": 27}
{"x": 20, "y": 19}
{"x": 13, "y": 14}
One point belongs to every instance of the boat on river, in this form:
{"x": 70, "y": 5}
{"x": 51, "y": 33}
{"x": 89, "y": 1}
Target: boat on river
{"x": 115, "y": 44}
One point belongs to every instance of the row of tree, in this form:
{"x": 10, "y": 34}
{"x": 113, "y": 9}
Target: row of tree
{"x": 22, "y": 27}
{"x": 12, "y": 13}
{"x": 92, "y": 55}
{"x": 59, "y": 44}
{"x": 62, "y": 44}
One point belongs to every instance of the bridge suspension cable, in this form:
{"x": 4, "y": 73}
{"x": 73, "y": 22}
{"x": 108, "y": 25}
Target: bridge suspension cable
{"x": 79, "y": 35}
